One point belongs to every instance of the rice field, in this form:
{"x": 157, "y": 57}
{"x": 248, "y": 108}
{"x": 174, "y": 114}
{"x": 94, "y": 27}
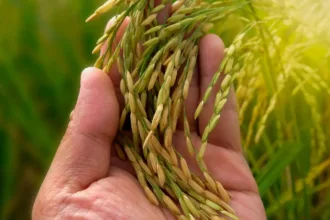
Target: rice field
{"x": 282, "y": 90}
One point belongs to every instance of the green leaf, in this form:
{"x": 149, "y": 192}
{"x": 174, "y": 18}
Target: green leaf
{"x": 275, "y": 167}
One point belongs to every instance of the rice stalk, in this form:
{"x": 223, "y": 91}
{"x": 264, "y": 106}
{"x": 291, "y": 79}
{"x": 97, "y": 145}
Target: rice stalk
{"x": 157, "y": 62}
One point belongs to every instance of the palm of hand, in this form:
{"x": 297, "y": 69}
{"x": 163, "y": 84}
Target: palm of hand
{"x": 85, "y": 183}
{"x": 119, "y": 196}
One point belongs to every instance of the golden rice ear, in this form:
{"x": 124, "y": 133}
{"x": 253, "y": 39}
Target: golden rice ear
{"x": 151, "y": 196}
{"x": 156, "y": 63}
{"x": 107, "y": 6}
{"x": 171, "y": 205}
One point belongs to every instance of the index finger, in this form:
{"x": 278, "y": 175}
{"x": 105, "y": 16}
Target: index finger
{"x": 227, "y": 132}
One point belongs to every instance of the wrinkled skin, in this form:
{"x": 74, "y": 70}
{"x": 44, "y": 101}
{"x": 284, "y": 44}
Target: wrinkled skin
{"x": 86, "y": 179}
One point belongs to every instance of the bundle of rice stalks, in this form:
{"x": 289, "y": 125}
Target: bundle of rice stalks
{"x": 156, "y": 57}
{"x": 157, "y": 61}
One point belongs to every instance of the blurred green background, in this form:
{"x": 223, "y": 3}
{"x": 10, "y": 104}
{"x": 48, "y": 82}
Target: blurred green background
{"x": 43, "y": 48}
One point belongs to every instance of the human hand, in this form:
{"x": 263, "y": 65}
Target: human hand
{"x": 86, "y": 179}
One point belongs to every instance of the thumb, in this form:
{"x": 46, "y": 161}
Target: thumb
{"x": 84, "y": 153}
